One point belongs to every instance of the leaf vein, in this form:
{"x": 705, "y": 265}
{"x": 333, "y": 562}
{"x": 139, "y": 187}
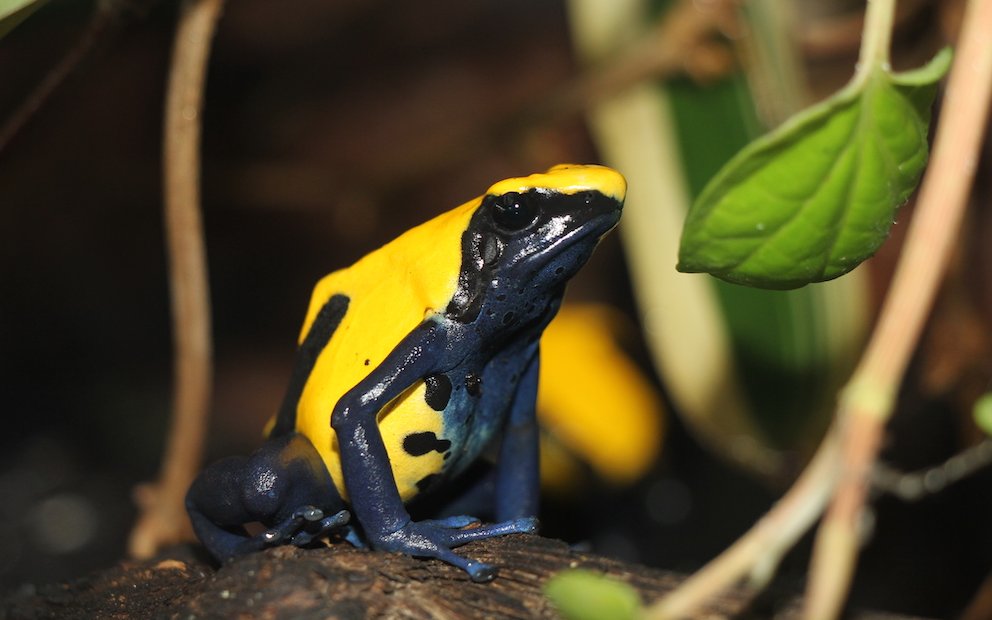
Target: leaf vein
{"x": 864, "y": 110}
{"x": 805, "y": 203}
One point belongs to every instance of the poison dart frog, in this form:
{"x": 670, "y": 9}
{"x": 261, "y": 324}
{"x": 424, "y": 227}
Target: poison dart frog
{"x": 412, "y": 364}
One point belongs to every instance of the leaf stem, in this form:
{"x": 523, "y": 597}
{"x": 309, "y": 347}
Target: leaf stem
{"x": 876, "y": 38}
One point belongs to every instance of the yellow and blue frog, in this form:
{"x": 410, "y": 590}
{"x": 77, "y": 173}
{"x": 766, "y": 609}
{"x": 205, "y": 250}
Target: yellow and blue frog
{"x": 413, "y": 363}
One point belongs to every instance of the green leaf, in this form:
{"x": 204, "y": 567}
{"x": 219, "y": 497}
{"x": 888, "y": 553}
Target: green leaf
{"x": 811, "y": 200}
{"x": 13, "y": 12}
{"x": 585, "y": 595}
{"x": 983, "y": 413}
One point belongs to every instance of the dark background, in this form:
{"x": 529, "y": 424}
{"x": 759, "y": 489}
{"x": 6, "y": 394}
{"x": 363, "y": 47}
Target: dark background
{"x": 329, "y": 128}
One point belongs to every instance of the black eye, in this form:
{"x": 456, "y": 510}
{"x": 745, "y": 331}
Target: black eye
{"x": 513, "y": 211}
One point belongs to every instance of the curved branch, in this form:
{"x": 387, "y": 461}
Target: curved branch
{"x": 163, "y": 518}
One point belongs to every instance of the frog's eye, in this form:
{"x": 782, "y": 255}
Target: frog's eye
{"x": 513, "y": 211}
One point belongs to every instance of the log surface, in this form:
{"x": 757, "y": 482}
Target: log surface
{"x": 350, "y": 584}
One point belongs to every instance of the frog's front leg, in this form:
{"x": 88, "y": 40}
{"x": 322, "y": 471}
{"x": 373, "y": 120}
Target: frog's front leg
{"x": 368, "y": 474}
{"x": 283, "y": 485}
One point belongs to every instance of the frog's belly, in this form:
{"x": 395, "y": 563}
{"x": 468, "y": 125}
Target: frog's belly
{"x": 470, "y": 428}
{"x": 430, "y": 439}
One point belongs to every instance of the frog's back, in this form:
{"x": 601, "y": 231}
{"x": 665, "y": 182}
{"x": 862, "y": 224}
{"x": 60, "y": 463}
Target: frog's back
{"x": 386, "y": 295}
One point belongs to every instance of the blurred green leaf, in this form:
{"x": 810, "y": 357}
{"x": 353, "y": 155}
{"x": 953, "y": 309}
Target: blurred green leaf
{"x": 585, "y": 595}
{"x": 13, "y": 12}
{"x": 773, "y": 359}
{"x": 811, "y": 200}
{"x": 983, "y": 413}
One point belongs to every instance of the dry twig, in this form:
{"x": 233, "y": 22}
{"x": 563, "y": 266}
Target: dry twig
{"x": 163, "y": 517}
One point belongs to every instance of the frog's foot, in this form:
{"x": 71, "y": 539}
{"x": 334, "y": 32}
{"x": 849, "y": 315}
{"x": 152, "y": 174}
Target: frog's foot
{"x": 350, "y": 534}
{"x": 456, "y": 522}
{"x": 315, "y": 529}
{"x": 304, "y": 525}
{"x": 437, "y": 538}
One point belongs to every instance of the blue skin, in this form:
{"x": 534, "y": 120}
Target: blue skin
{"x": 518, "y": 253}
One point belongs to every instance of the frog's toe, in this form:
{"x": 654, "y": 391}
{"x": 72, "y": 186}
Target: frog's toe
{"x": 314, "y": 530}
{"x": 480, "y": 572}
{"x": 291, "y": 526}
{"x": 527, "y": 525}
{"x": 335, "y": 521}
{"x": 455, "y": 522}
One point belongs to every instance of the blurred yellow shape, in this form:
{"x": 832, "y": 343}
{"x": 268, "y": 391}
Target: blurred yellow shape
{"x": 594, "y": 403}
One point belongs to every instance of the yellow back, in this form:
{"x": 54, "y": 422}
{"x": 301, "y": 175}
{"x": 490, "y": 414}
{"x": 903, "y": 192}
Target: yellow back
{"x": 391, "y": 291}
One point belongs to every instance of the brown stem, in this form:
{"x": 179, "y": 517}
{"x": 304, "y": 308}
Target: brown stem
{"x": 163, "y": 519}
{"x": 846, "y": 456}
{"x": 914, "y": 486}
{"x": 867, "y": 401}
{"x": 758, "y": 552}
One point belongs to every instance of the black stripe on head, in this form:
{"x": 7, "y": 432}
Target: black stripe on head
{"x": 483, "y": 245}
{"x": 481, "y": 251}
{"x": 466, "y": 303}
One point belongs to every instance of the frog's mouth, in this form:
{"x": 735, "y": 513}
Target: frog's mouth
{"x": 562, "y": 259}
{"x": 598, "y": 227}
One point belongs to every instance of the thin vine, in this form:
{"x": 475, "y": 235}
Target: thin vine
{"x": 163, "y": 517}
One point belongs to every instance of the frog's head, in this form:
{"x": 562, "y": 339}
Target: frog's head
{"x": 529, "y": 235}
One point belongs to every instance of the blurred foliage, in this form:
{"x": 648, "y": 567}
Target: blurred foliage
{"x": 13, "y": 12}
{"x": 753, "y": 373}
{"x": 983, "y": 413}
{"x": 584, "y": 595}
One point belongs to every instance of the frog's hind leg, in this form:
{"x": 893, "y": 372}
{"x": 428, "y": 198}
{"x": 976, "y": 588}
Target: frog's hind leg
{"x": 283, "y": 485}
